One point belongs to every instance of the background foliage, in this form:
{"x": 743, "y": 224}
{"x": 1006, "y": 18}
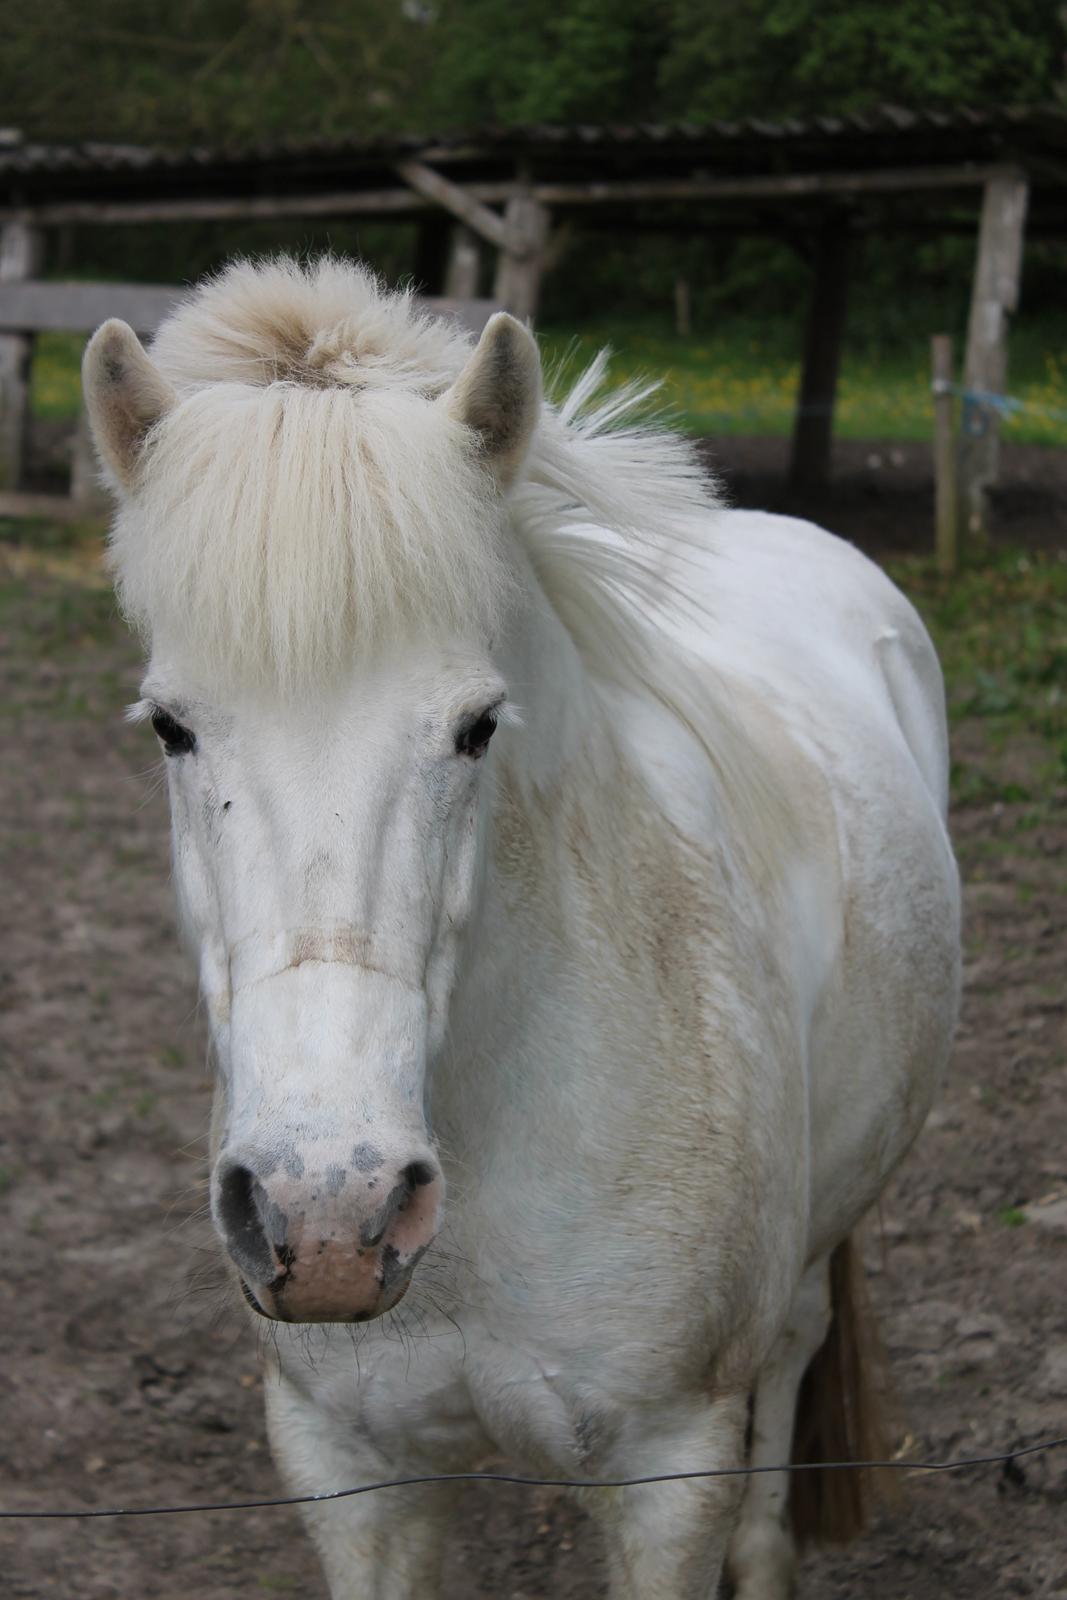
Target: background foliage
{"x": 240, "y": 70}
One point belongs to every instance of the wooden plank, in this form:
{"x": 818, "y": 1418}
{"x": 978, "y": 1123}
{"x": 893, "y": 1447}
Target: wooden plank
{"x": 21, "y": 252}
{"x": 457, "y": 199}
{"x": 945, "y": 488}
{"x": 998, "y": 267}
{"x": 81, "y": 307}
{"x": 813, "y": 428}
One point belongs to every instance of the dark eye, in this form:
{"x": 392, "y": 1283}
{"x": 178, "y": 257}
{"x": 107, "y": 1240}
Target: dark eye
{"x": 176, "y": 740}
{"x": 474, "y": 736}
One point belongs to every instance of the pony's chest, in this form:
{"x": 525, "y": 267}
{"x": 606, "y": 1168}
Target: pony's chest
{"x": 466, "y": 1401}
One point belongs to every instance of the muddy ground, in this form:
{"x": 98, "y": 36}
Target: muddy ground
{"x": 122, "y": 1379}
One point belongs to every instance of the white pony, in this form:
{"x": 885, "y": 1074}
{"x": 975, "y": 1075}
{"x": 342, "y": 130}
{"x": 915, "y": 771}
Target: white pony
{"x": 655, "y": 980}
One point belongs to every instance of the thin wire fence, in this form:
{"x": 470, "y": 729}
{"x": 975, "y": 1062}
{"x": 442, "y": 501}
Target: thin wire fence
{"x": 1006, "y": 1459}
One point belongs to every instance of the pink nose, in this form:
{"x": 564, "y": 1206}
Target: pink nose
{"x": 337, "y": 1247}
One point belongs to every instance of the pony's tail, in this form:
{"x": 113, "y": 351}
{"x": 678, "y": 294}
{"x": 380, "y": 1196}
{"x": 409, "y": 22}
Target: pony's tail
{"x": 840, "y": 1415}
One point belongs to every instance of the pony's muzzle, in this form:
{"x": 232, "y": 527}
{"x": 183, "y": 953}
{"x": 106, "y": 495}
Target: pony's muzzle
{"x": 336, "y": 1246}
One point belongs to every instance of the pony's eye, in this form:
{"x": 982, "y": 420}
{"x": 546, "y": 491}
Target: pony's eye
{"x": 474, "y": 736}
{"x": 176, "y": 740}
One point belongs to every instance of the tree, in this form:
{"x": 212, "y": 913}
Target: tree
{"x": 805, "y": 57}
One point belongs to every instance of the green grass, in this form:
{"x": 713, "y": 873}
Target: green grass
{"x": 55, "y": 379}
{"x": 741, "y": 379}
{"x": 1001, "y": 632}
{"x": 744, "y": 379}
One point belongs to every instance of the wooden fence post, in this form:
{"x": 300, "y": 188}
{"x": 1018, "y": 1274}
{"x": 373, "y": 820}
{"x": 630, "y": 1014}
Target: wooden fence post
{"x": 464, "y": 271}
{"x": 946, "y": 498}
{"x": 985, "y": 366}
{"x": 683, "y": 308}
{"x": 813, "y": 427}
{"x": 21, "y": 253}
{"x": 521, "y": 263}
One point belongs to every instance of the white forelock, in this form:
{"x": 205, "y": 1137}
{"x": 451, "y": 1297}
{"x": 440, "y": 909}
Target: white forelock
{"x": 309, "y": 497}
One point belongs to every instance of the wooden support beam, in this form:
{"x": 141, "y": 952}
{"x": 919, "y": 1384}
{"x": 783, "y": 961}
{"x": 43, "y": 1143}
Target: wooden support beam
{"x": 777, "y": 186}
{"x": 985, "y": 367}
{"x": 21, "y": 253}
{"x": 521, "y": 264}
{"x": 813, "y": 428}
{"x": 338, "y": 203}
{"x": 457, "y": 199}
{"x": 424, "y": 189}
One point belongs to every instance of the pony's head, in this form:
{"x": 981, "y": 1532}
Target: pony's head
{"x": 311, "y": 484}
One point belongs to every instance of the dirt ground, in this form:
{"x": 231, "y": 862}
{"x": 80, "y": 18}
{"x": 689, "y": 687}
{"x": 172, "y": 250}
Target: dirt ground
{"x": 123, "y": 1380}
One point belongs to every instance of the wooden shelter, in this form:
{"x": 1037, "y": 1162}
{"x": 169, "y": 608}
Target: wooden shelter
{"x": 821, "y": 183}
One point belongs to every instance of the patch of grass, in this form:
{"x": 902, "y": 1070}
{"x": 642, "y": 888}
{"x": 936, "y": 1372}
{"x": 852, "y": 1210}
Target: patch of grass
{"x": 54, "y": 617}
{"x": 37, "y": 534}
{"x": 1011, "y": 1217}
{"x": 973, "y": 786}
{"x": 55, "y": 380}
{"x": 743, "y": 379}
{"x": 1001, "y": 632}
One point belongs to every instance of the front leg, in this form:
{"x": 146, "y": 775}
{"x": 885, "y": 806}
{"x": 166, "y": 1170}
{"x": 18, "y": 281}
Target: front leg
{"x": 667, "y": 1541}
{"x": 387, "y": 1545}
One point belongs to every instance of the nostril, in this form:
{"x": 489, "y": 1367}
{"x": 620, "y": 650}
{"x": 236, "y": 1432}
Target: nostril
{"x": 417, "y": 1174}
{"x": 237, "y": 1213}
{"x": 235, "y": 1204}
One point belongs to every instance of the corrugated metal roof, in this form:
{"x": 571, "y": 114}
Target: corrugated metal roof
{"x": 886, "y": 123}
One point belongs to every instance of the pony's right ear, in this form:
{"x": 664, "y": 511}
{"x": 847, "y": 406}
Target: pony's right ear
{"x": 125, "y": 396}
{"x": 498, "y": 395}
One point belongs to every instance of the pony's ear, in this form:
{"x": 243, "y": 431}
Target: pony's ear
{"x": 498, "y": 394}
{"x": 125, "y": 395}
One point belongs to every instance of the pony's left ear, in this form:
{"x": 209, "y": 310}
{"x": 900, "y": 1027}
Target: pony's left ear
{"x": 498, "y": 395}
{"x": 125, "y": 395}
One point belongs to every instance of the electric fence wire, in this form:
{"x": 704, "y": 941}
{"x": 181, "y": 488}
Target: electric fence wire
{"x": 1007, "y": 1459}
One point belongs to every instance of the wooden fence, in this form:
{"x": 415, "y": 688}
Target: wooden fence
{"x": 29, "y": 307}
